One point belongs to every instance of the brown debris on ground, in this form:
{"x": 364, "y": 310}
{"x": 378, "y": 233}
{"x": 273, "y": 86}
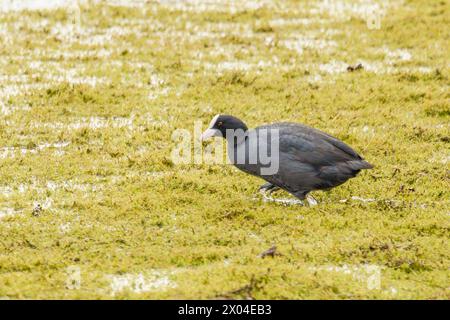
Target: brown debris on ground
{"x": 359, "y": 66}
{"x": 271, "y": 252}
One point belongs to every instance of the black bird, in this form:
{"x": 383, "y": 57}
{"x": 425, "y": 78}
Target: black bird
{"x": 303, "y": 159}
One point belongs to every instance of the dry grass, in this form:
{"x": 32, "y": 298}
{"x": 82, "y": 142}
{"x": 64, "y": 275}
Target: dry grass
{"x": 85, "y": 132}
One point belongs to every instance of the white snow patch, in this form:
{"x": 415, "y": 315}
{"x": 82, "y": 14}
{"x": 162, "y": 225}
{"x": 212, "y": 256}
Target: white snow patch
{"x": 140, "y": 282}
{"x": 67, "y": 54}
{"x": 12, "y": 152}
{"x": 342, "y": 10}
{"x": 366, "y": 130}
{"x": 71, "y": 77}
{"x": 20, "y": 5}
{"x": 154, "y": 94}
{"x": 127, "y": 3}
{"x": 314, "y": 78}
{"x": 333, "y": 67}
{"x": 6, "y": 191}
{"x": 440, "y": 158}
{"x": 7, "y": 212}
{"x": 233, "y": 65}
{"x": 50, "y": 185}
{"x": 88, "y": 122}
{"x": 7, "y": 110}
{"x": 12, "y": 90}
{"x": 368, "y": 273}
{"x": 64, "y": 228}
{"x": 157, "y": 87}
{"x": 356, "y": 198}
{"x": 393, "y": 290}
{"x": 300, "y": 44}
{"x": 398, "y": 54}
{"x": 379, "y": 67}
{"x": 46, "y": 204}
{"x": 230, "y": 6}
{"x": 71, "y": 185}
{"x": 296, "y": 22}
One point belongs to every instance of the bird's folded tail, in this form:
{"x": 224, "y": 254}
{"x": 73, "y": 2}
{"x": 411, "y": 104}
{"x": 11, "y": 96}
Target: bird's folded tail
{"x": 359, "y": 164}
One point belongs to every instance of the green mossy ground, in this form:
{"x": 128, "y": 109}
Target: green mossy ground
{"x": 98, "y": 158}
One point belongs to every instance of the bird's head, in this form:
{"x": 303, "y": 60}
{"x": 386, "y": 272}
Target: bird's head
{"x": 222, "y": 124}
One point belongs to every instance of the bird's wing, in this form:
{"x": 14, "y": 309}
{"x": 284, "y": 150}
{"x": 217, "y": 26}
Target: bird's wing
{"x": 314, "y": 147}
{"x": 312, "y": 159}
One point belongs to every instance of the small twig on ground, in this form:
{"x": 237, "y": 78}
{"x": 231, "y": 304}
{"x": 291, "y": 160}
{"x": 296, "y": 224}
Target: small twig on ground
{"x": 37, "y": 210}
{"x": 359, "y": 66}
{"x": 271, "y": 252}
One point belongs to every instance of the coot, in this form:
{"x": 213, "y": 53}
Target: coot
{"x": 302, "y": 159}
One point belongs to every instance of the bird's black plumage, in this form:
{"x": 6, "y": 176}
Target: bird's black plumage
{"x": 309, "y": 159}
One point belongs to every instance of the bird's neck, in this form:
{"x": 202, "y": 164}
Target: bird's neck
{"x": 237, "y": 138}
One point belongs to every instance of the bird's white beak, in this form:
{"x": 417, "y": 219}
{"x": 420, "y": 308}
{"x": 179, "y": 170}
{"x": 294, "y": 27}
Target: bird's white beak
{"x": 210, "y": 133}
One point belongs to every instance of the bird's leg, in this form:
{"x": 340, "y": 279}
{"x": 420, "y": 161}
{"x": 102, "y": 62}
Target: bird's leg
{"x": 267, "y": 189}
{"x": 311, "y": 200}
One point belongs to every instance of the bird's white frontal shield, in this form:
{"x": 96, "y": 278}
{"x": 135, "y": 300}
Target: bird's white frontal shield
{"x": 209, "y": 133}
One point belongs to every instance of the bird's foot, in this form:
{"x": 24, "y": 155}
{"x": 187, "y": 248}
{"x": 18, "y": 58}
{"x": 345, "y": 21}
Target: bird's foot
{"x": 289, "y": 202}
{"x": 268, "y": 187}
{"x": 267, "y": 198}
{"x": 266, "y": 190}
{"x": 311, "y": 200}
{"x": 265, "y": 194}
